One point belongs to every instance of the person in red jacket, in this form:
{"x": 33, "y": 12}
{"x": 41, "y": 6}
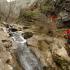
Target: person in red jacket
{"x": 67, "y": 35}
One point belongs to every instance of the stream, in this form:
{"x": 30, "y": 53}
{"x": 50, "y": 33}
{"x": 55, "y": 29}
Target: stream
{"x": 26, "y": 58}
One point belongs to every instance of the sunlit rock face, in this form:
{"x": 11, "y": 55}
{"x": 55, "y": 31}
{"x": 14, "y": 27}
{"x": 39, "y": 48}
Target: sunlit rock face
{"x": 14, "y": 6}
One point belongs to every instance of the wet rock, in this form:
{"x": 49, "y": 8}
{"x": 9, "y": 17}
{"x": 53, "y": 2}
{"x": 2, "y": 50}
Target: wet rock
{"x": 13, "y": 29}
{"x": 27, "y": 35}
{"x": 25, "y": 27}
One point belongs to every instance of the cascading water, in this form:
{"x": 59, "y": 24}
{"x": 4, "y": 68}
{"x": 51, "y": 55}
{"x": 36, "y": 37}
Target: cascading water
{"x": 26, "y": 58}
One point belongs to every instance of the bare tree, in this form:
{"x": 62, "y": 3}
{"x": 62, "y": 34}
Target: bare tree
{"x": 10, "y": 10}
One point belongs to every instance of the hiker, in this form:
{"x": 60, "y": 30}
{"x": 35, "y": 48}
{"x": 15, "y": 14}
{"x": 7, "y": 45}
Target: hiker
{"x": 67, "y": 35}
